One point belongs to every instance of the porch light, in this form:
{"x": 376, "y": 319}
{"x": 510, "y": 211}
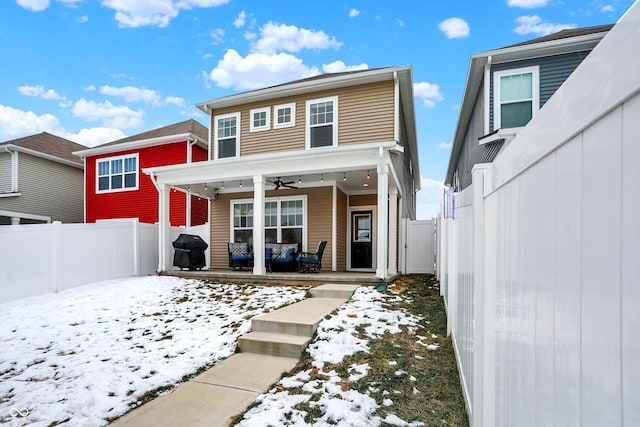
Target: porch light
{"x": 189, "y": 188}
{"x": 240, "y": 184}
{"x": 205, "y": 186}
{"x": 368, "y": 176}
{"x": 300, "y": 180}
{"x": 322, "y": 178}
{"x": 366, "y": 184}
{"x": 222, "y": 186}
{"x": 344, "y": 177}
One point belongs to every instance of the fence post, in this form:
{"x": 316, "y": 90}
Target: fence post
{"x": 484, "y": 304}
{"x": 135, "y": 224}
{"x": 56, "y": 229}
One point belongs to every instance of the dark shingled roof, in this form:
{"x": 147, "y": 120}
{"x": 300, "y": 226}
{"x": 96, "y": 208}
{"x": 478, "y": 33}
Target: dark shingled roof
{"x": 188, "y": 126}
{"x": 565, "y": 34}
{"x": 49, "y": 144}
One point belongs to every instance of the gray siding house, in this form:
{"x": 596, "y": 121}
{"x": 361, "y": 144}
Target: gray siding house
{"x": 40, "y": 180}
{"x": 505, "y": 88}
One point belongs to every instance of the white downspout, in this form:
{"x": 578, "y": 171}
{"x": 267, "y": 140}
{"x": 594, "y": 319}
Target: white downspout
{"x": 14, "y": 168}
{"x": 487, "y": 94}
{"x": 396, "y": 108}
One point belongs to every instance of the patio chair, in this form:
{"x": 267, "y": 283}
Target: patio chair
{"x": 285, "y": 260}
{"x": 311, "y": 261}
{"x": 239, "y": 256}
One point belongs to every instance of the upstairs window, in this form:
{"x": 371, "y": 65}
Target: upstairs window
{"x": 284, "y": 115}
{"x": 260, "y": 119}
{"x": 516, "y": 97}
{"x": 117, "y": 173}
{"x": 227, "y": 137}
{"x": 322, "y": 126}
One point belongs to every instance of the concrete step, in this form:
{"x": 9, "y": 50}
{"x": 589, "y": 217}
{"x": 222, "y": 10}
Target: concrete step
{"x": 281, "y": 345}
{"x": 300, "y": 319}
{"x": 248, "y": 371}
{"x": 334, "y": 290}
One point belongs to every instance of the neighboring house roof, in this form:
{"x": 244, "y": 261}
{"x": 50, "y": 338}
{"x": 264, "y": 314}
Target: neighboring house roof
{"x": 403, "y": 74}
{"x": 47, "y": 146}
{"x": 188, "y": 129}
{"x": 562, "y": 42}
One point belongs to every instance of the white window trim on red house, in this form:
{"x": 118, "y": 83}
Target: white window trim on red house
{"x": 110, "y": 159}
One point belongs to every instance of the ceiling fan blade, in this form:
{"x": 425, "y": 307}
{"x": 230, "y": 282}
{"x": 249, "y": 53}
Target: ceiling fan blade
{"x": 289, "y": 186}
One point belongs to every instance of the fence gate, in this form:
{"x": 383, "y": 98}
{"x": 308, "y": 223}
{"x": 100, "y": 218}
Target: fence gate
{"x": 420, "y": 247}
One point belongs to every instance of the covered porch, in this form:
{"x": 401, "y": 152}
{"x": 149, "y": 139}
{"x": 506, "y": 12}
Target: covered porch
{"x": 338, "y": 190}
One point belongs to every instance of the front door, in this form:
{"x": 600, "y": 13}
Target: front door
{"x": 361, "y": 239}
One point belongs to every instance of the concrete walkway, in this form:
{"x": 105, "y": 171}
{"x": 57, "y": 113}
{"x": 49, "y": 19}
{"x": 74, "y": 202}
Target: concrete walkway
{"x": 274, "y": 347}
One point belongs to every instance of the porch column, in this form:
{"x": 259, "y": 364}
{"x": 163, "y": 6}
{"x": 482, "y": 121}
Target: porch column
{"x": 393, "y": 231}
{"x": 258, "y": 225}
{"x": 163, "y": 227}
{"x": 383, "y": 220}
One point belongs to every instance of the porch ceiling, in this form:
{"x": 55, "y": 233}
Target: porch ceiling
{"x": 354, "y": 163}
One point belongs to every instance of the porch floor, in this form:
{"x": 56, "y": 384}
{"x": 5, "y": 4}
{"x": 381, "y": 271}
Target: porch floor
{"x": 248, "y": 276}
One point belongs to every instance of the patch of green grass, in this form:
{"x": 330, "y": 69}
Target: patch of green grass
{"x": 422, "y": 384}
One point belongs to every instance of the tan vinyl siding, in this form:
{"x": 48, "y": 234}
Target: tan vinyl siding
{"x": 5, "y": 173}
{"x": 47, "y": 188}
{"x": 363, "y": 200}
{"x": 365, "y": 114}
{"x": 319, "y": 208}
{"x": 341, "y": 231}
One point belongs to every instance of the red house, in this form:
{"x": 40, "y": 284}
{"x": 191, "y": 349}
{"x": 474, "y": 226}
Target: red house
{"x": 116, "y": 187}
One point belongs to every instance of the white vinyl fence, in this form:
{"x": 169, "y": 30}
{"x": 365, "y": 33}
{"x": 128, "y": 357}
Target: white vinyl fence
{"x": 420, "y": 253}
{"x": 540, "y": 264}
{"x": 41, "y": 258}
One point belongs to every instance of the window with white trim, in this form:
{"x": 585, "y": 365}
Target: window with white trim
{"x": 322, "y": 125}
{"x": 284, "y": 115}
{"x": 516, "y": 97}
{"x": 260, "y": 119}
{"x": 284, "y": 220}
{"x": 117, "y": 173}
{"x": 227, "y": 135}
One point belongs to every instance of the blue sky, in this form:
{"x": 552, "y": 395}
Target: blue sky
{"x": 94, "y": 71}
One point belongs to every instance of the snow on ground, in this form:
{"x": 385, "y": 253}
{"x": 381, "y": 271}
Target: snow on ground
{"x": 88, "y": 354}
{"x": 335, "y": 340}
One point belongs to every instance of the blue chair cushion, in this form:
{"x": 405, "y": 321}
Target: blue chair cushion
{"x": 287, "y": 257}
{"x": 241, "y": 257}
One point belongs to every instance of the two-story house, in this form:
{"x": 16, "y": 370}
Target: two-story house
{"x": 330, "y": 158}
{"x": 115, "y": 187}
{"x": 40, "y": 180}
{"x": 505, "y": 88}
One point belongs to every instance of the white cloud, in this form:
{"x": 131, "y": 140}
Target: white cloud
{"x": 429, "y": 93}
{"x": 445, "y": 145}
{"x": 399, "y": 22}
{"x": 353, "y": 13}
{"x": 607, "y": 8}
{"x": 70, "y": 3}
{"x": 110, "y": 115}
{"x": 250, "y": 36}
{"x": 34, "y": 5}
{"x": 258, "y": 70}
{"x": 429, "y": 198}
{"x": 132, "y": 14}
{"x": 141, "y": 94}
{"x": 454, "y": 28}
{"x": 217, "y": 35}
{"x": 533, "y": 24}
{"x": 92, "y": 137}
{"x": 16, "y": 123}
{"x": 527, "y": 4}
{"x": 339, "y": 67}
{"x": 281, "y": 37}
{"x": 240, "y": 20}
{"x": 83, "y": 19}
{"x": 40, "y": 92}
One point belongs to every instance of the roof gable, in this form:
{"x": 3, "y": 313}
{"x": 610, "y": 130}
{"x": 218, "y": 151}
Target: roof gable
{"x": 187, "y": 126}
{"x": 50, "y": 145}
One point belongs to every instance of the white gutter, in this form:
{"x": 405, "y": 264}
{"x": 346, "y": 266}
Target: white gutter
{"x": 14, "y": 168}
{"x": 487, "y": 100}
{"x": 132, "y": 145}
{"x": 329, "y": 82}
{"x": 43, "y": 155}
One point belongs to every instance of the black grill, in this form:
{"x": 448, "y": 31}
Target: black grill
{"x": 189, "y": 252}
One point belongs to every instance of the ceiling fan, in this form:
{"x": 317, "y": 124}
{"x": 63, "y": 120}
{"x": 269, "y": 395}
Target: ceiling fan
{"x": 278, "y": 183}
